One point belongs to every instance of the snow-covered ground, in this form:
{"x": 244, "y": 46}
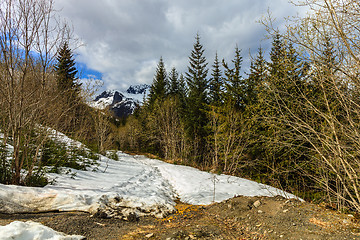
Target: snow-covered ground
{"x": 32, "y": 231}
{"x": 131, "y": 185}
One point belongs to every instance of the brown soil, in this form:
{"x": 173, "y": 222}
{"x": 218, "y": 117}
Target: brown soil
{"x": 237, "y": 218}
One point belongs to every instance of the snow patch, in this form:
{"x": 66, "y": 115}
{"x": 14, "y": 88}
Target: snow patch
{"x": 133, "y": 185}
{"x": 116, "y": 188}
{"x": 32, "y": 230}
{"x": 202, "y": 188}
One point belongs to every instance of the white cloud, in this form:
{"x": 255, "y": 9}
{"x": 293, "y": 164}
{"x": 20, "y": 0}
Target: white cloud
{"x": 124, "y": 39}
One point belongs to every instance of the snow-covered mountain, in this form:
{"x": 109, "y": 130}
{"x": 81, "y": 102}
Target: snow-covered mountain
{"x": 121, "y": 104}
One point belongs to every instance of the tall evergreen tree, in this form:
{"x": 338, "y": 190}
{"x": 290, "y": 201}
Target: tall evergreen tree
{"x": 197, "y": 99}
{"x": 216, "y": 83}
{"x": 182, "y": 93}
{"x": 66, "y": 71}
{"x": 255, "y": 82}
{"x": 277, "y": 58}
{"x": 160, "y": 85}
{"x": 234, "y": 82}
{"x": 174, "y": 82}
{"x": 182, "y": 86}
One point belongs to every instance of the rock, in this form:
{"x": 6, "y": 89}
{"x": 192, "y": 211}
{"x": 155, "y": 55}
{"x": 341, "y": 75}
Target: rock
{"x": 101, "y": 214}
{"x": 132, "y": 217}
{"x": 260, "y": 211}
{"x": 286, "y": 210}
{"x": 149, "y": 235}
{"x": 257, "y": 203}
{"x": 180, "y": 234}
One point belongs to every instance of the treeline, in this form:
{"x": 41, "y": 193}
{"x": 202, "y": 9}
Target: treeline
{"x": 291, "y": 121}
{"x": 215, "y": 118}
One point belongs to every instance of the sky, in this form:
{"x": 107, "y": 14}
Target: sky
{"x": 123, "y": 40}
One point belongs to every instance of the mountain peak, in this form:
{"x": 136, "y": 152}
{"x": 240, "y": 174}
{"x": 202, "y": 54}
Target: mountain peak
{"x": 121, "y": 104}
{"x": 138, "y": 89}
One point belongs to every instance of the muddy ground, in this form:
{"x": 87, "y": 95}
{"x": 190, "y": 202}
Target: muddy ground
{"x": 237, "y": 218}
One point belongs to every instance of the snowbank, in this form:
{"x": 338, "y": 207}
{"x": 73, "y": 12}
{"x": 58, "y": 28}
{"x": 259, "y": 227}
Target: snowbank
{"x": 32, "y": 230}
{"x": 202, "y": 188}
{"x": 132, "y": 185}
{"x": 116, "y": 188}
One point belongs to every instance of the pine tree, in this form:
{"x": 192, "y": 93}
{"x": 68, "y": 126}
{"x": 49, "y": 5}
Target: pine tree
{"x": 324, "y": 85}
{"x": 197, "y": 99}
{"x": 159, "y": 87}
{"x": 66, "y": 71}
{"x": 284, "y": 106}
{"x": 277, "y": 62}
{"x": 234, "y": 82}
{"x": 174, "y": 82}
{"x": 255, "y": 82}
{"x": 182, "y": 87}
{"x": 216, "y": 83}
{"x": 182, "y": 94}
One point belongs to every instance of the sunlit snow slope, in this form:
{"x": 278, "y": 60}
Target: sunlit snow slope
{"x": 132, "y": 185}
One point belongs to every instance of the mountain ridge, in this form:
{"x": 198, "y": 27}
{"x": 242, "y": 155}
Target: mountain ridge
{"x": 121, "y": 104}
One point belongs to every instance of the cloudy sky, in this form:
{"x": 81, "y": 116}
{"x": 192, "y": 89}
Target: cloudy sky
{"x": 124, "y": 39}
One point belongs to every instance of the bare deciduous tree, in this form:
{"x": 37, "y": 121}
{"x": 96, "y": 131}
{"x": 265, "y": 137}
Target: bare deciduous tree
{"x": 30, "y": 35}
{"x": 329, "y": 120}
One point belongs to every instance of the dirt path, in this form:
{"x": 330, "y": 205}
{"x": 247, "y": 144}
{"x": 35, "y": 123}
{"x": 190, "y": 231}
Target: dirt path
{"x": 237, "y": 218}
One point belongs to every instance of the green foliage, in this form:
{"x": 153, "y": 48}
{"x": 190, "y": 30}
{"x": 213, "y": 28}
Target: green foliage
{"x": 285, "y": 124}
{"x": 216, "y": 84}
{"x": 66, "y": 71}
{"x": 255, "y": 83}
{"x": 113, "y": 155}
{"x": 174, "y": 88}
{"x": 159, "y": 87}
{"x": 5, "y": 166}
{"x": 56, "y": 155}
{"x": 37, "y": 180}
{"x": 234, "y": 83}
{"x": 197, "y": 100}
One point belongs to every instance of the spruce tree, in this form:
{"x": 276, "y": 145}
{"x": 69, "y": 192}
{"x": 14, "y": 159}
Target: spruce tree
{"x": 234, "y": 82}
{"x": 256, "y": 78}
{"x": 66, "y": 71}
{"x": 216, "y": 83}
{"x": 277, "y": 61}
{"x": 182, "y": 86}
{"x": 182, "y": 93}
{"x": 159, "y": 87}
{"x": 174, "y": 82}
{"x": 197, "y": 99}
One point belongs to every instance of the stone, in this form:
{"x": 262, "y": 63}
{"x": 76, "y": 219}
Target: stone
{"x": 132, "y": 217}
{"x": 149, "y": 235}
{"x": 257, "y": 203}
